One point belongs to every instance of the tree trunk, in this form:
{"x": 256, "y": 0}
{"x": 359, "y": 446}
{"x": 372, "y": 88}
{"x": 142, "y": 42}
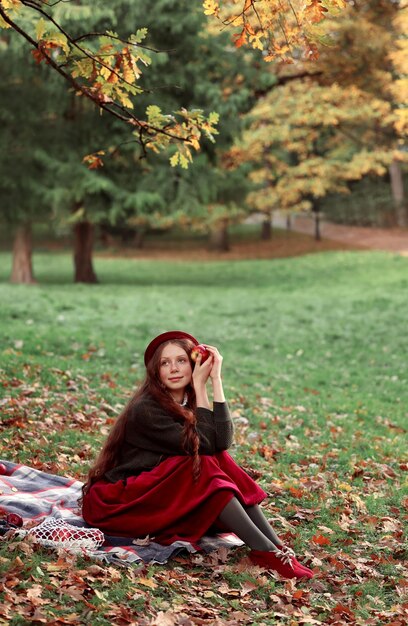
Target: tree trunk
{"x": 318, "y": 235}
{"x": 128, "y": 236}
{"x": 84, "y": 235}
{"x": 289, "y": 222}
{"x": 22, "y": 270}
{"x": 266, "y": 228}
{"x": 397, "y": 188}
{"x": 139, "y": 238}
{"x": 219, "y": 239}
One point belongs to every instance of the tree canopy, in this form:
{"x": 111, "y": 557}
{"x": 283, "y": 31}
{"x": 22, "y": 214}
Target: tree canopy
{"x": 283, "y": 30}
{"x": 106, "y": 66}
{"x": 168, "y": 82}
{"x": 336, "y": 119}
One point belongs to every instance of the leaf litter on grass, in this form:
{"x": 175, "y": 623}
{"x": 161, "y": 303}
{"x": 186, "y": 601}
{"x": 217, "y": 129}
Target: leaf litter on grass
{"x": 317, "y": 430}
{"x": 348, "y": 546}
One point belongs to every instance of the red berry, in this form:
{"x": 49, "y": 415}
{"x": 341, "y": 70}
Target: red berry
{"x": 3, "y": 469}
{"x": 200, "y": 349}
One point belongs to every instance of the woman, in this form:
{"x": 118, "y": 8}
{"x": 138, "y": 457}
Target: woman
{"x": 164, "y": 470}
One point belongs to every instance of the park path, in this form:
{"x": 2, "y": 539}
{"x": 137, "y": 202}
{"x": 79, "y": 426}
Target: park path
{"x": 389, "y": 239}
{"x": 287, "y": 244}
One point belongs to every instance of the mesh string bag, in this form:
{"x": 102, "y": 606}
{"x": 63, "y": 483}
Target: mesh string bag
{"x": 57, "y": 533}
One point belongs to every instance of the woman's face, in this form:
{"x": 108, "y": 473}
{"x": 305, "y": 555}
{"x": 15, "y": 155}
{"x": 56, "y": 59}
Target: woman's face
{"x": 175, "y": 368}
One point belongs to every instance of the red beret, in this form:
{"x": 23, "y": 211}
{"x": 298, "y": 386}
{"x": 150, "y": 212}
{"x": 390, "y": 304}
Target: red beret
{"x": 171, "y": 334}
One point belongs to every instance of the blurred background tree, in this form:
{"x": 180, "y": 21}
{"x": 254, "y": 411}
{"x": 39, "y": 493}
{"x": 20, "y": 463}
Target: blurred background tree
{"x": 28, "y": 111}
{"x": 317, "y": 130}
{"x": 195, "y": 69}
{"x": 203, "y": 69}
{"x": 336, "y": 120}
{"x": 371, "y": 53}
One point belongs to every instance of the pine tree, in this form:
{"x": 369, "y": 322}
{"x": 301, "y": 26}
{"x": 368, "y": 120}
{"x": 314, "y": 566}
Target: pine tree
{"x": 43, "y": 127}
{"x": 199, "y": 69}
{"x": 103, "y": 67}
{"x": 27, "y": 114}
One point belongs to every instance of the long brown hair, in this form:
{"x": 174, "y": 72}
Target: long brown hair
{"x": 152, "y": 386}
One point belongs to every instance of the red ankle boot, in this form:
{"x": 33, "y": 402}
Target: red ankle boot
{"x": 286, "y": 565}
{"x": 289, "y": 552}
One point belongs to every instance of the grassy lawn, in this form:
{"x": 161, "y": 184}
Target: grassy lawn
{"x": 315, "y": 359}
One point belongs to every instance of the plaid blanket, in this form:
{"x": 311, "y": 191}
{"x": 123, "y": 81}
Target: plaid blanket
{"x": 37, "y": 495}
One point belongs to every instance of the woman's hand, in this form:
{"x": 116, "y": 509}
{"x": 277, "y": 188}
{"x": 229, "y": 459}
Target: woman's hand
{"x": 211, "y": 368}
{"x": 201, "y": 372}
{"x": 215, "y": 372}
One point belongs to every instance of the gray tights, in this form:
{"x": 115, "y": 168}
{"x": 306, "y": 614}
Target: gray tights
{"x": 250, "y": 525}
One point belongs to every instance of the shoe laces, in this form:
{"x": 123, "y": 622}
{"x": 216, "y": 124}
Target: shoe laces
{"x": 285, "y": 558}
{"x": 287, "y": 550}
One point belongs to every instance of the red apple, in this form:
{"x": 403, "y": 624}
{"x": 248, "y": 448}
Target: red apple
{"x": 14, "y": 519}
{"x": 3, "y": 469}
{"x": 200, "y": 349}
{"x": 62, "y": 534}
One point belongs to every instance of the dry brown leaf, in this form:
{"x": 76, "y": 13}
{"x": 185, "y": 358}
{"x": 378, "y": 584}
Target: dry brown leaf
{"x": 34, "y": 595}
{"x": 247, "y": 587}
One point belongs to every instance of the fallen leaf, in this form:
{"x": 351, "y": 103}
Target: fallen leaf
{"x": 247, "y": 587}
{"x": 321, "y": 540}
{"x": 34, "y": 595}
{"x": 147, "y": 582}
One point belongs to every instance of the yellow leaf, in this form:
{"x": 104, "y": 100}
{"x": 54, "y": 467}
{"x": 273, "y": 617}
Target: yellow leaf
{"x": 211, "y": 7}
{"x": 175, "y": 159}
{"x": 256, "y": 41}
{"x": 126, "y": 102}
{"x": 11, "y": 4}
{"x": 213, "y": 118}
{"x": 40, "y": 29}
{"x": 129, "y": 72}
{"x": 194, "y": 143}
{"x": 184, "y": 161}
{"x": 105, "y": 72}
{"x": 138, "y": 36}
{"x": 147, "y": 582}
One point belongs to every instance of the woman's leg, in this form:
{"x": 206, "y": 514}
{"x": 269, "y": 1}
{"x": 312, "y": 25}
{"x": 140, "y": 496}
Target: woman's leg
{"x": 259, "y": 519}
{"x": 263, "y": 550}
{"x": 237, "y": 519}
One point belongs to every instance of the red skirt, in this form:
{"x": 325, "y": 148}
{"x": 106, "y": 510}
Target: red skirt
{"x": 165, "y": 503}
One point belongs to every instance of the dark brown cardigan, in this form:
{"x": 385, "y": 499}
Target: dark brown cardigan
{"x": 152, "y": 435}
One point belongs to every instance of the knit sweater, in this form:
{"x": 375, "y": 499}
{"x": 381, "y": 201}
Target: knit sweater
{"x": 152, "y": 435}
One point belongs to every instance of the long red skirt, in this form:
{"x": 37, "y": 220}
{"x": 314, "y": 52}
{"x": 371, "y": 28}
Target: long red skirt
{"x": 165, "y": 503}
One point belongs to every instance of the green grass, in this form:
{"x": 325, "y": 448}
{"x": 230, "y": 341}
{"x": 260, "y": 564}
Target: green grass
{"x": 315, "y": 353}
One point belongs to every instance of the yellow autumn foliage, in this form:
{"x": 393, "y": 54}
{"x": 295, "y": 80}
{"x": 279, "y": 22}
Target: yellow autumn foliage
{"x": 280, "y": 28}
{"x": 312, "y": 135}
